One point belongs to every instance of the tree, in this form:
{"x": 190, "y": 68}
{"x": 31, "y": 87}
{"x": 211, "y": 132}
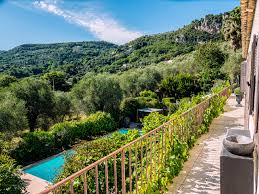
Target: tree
{"x": 232, "y": 66}
{"x": 133, "y": 82}
{"x": 10, "y": 179}
{"x": 98, "y": 93}
{"x": 231, "y": 28}
{"x": 6, "y": 80}
{"x": 12, "y": 113}
{"x": 209, "y": 56}
{"x": 62, "y": 106}
{"x": 179, "y": 86}
{"x": 38, "y": 98}
{"x": 57, "y": 80}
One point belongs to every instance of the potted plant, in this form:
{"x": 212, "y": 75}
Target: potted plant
{"x": 239, "y": 95}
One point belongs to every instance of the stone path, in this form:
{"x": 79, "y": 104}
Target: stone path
{"x": 201, "y": 173}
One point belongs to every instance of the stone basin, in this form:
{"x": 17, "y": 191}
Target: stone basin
{"x": 239, "y": 145}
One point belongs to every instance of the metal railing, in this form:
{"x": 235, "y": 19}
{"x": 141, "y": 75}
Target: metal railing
{"x": 133, "y": 166}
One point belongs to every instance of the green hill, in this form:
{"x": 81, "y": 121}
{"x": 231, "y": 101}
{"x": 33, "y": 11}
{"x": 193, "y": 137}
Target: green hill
{"x": 34, "y": 59}
{"x": 78, "y": 58}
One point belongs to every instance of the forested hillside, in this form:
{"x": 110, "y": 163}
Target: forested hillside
{"x": 34, "y": 59}
{"x": 78, "y": 58}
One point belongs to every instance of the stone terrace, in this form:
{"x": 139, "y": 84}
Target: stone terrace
{"x": 201, "y": 173}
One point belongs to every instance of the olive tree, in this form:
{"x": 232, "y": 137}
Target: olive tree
{"x": 38, "y": 98}
{"x": 98, "y": 93}
{"x": 12, "y": 113}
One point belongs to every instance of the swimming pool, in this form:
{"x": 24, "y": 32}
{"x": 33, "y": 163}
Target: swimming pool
{"x": 125, "y": 131}
{"x": 49, "y": 169}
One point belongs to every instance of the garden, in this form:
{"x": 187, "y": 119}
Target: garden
{"x": 37, "y": 122}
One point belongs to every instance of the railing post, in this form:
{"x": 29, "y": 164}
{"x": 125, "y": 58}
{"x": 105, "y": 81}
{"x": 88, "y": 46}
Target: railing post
{"x": 96, "y": 180}
{"x": 115, "y": 174}
{"x": 123, "y": 180}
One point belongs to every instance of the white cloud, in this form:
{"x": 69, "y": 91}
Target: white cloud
{"x": 101, "y": 26}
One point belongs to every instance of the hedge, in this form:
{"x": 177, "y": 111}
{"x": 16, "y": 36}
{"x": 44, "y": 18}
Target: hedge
{"x": 41, "y": 144}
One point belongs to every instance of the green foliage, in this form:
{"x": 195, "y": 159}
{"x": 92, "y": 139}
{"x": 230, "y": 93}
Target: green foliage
{"x": 6, "y": 80}
{"x": 168, "y": 169}
{"x": 34, "y": 59}
{"x": 10, "y": 180}
{"x": 41, "y": 144}
{"x": 135, "y": 81}
{"x": 77, "y": 58}
{"x": 38, "y": 98}
{"x": 12, "y": 113}
{"x": 128, "y": 108}
{"x": 179, "y": 86}
{"x": 231, "y": 28}
{"x": 209, "y": 56}
{"x": 178, "y": 150}
{"x": 98, "y": 93}
{"x": 90, "y": 152}
{"x": 237, "y": 91}
{"x": 175, "y": 152}
{"x": 168, "y": 103}
{"x": 57, "y": 80}
{"x": 152, "y": 121}
{"x": 232, "y": 66}
{"x": 34, "y": 146}
{"x": 148, "y": 94}
{"x": 62, "y": 107}
{"x": 219, "y": 86}
{"x": 145, "y": 102}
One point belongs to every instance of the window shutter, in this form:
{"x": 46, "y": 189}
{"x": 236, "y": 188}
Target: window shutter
{"x": 243, "y": 76}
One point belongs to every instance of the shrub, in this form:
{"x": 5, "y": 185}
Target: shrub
{"x": 168, "y": 103}
{"x": 237, "y": 91}
{"x": 10, "y": 180}
{"x": 128, "y": 108}
{"x": 34, "y": 146}
{"x": 148, "y": 93}
{"x": 130, "y": 105}
{"x": 65, "y": 134}
{"x": 41, "y": 144}
{"x": 152, "y": 121}
{"x": 92, "y": 151}
{"x": 102, "y": 122}
{"x": 148, "y": 102}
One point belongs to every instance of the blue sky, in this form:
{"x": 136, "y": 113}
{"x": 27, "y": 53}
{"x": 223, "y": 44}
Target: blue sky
{"x": 117, "y": 21}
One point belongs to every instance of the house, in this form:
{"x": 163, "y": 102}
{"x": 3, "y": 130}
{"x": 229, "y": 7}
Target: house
{"x": 250, "y": 69}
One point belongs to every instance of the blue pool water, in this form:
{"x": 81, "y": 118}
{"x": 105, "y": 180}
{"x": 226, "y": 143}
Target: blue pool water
{"x": 49, "y": 169}
{"x": 125, "y": 131}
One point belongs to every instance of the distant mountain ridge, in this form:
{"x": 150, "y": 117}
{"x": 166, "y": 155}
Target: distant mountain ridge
{"x": 78, "y": 58}
{"x": 40, "y": 58}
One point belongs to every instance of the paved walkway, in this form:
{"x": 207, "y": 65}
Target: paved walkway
{"x": 201, "y": 173}
{"x": 34, "y": 184}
